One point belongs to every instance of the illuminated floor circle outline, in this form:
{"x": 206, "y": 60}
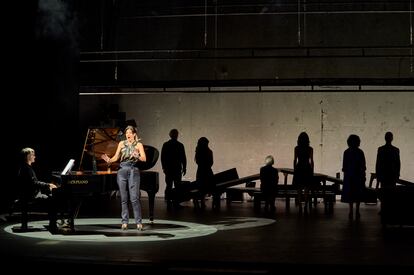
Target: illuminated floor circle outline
{"x": 175, "y": 230}
{"x": 108, "y": 230}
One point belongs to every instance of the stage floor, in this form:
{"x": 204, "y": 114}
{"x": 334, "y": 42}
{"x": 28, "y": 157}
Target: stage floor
{"x": 233, "y": 240}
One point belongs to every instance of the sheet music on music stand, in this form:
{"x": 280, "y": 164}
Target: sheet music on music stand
{"x": 68, "y": 167}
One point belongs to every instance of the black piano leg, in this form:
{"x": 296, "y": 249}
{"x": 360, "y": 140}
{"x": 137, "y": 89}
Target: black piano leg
{"x": 151, "y": 201}
{"x": 74, "y": 208}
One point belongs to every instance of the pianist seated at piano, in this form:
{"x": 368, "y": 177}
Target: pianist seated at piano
{"x": 129, "y": 152}
{"x": 31, "y": 189}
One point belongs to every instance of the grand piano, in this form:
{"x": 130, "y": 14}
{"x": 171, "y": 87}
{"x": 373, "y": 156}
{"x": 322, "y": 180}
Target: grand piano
{"x": 94, "y": 176}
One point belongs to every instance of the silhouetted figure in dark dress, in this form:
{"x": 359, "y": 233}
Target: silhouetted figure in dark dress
{"x": 204, "y": 176}
{"x": 388, "y": 163}
{"x": 269, "y": 178}
{"x": 303, "y": 166}
{"x": 174, "y": 163}
{"x": 354, "y": 168}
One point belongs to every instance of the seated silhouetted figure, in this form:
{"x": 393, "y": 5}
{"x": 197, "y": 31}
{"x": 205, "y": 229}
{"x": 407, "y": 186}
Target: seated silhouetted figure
{"x": 269, "y": 178}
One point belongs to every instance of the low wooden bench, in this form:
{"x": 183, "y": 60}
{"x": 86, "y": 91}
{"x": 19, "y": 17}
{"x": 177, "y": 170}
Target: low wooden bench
{"x": 222, "y": 187}
{"x": 236, "y": 193}
{"x": 228, "y": 181}
{"x": 191, "y": 190}
{"x": 328, "y": 196}
{"x": 321, "y": 190}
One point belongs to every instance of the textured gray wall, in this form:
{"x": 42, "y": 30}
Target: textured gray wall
{"x": 245, "y": 127}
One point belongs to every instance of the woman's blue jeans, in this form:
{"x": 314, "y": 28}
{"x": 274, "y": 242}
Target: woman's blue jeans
{"x": 128, "y": 179}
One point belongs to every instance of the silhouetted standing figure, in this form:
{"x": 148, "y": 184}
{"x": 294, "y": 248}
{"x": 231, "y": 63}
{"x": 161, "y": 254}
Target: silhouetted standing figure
{"x": 387, "y": 168}
{"x": 204, "y": 176}
{"x": 354, "y": 168}
{"x": 174, "y": 163}
{"x": 388, "y": 163}
{"x": 303, "y": 166}
{"x": 269, "y": 178}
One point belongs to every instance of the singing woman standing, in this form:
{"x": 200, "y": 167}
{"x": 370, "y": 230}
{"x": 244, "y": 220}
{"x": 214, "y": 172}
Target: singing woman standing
{"x": 129, "y": 151}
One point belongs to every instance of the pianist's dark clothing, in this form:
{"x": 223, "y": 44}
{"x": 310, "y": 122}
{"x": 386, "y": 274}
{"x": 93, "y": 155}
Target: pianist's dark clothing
{"x": 32, "y": 189}
{"x": 29, "y": 185}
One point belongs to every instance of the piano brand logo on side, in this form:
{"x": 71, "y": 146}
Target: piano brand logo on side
{"x": 78, "y": 182}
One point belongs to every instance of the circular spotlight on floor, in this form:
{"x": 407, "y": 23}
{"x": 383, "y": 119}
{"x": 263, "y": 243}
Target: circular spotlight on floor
{"x": 109, "y": 230}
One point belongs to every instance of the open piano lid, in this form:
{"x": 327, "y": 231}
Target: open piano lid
{"x": 101, "y": 141}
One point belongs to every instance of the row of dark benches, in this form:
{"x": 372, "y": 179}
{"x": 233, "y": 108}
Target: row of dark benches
{"x": 319, "y": 190}
{"x": 229, "y": 182}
